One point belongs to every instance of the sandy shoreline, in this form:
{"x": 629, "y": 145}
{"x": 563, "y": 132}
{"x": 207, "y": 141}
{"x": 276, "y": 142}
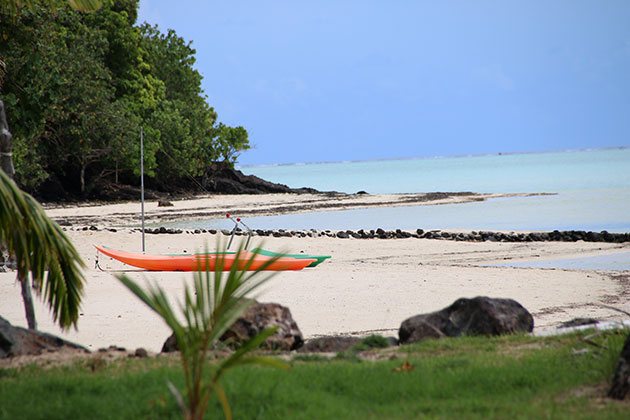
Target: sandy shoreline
{"x": 215, "y": 206}
{"x": 368, "y": 285}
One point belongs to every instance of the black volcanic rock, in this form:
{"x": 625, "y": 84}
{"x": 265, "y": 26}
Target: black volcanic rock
{"x": 260, "y": 316}
{"x": 478, "y": 316}
{"x": 621, "y": 378}
{"x": 253, "y": 321}
{"x": 222, "y": 179}
{"x": 17, "y": 341}
{"x": 328, "y": 344}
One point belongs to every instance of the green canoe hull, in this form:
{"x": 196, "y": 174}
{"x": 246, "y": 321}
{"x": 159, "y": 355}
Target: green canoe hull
{"x": 318, "y": 258}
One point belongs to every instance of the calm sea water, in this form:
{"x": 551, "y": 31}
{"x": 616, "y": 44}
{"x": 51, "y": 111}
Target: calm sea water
{"x": 542, "y": 172}
{"x": 592, "y": 192}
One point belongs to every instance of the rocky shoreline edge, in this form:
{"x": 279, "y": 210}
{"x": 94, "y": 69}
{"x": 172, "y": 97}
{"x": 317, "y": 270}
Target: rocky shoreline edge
{"x": 436, "y": 234}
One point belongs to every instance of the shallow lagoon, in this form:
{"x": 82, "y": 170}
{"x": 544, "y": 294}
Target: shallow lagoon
{"x": 591, "y": 192}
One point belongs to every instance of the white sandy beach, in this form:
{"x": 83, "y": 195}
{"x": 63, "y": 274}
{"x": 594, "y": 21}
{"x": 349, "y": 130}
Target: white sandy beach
{"x": 367, "y": 286}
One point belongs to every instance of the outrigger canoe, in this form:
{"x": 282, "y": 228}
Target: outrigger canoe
{"x": 206, "y": 261}
{"x": 318, "y": 258}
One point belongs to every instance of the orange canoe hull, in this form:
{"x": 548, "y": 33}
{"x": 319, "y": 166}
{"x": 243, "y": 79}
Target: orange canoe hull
{"x": 205, "y": 261}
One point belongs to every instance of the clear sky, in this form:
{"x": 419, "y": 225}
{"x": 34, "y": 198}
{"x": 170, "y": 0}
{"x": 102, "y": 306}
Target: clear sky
{"x": 329, "y": 80}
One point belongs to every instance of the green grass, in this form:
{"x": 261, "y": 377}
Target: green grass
{"x": 503, "y": 377}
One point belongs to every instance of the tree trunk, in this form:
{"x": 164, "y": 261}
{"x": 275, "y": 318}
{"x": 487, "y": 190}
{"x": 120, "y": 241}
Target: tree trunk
{"x": 82, "y": 178}
{"x": 6, "y": 145}
{"x": 27, "y": 297}
{"x": 6, "y": 164}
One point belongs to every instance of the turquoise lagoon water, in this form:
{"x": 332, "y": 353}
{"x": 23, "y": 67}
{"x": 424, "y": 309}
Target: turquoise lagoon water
{"x": 591, "y": 192}
{"x": 536, "y": 172}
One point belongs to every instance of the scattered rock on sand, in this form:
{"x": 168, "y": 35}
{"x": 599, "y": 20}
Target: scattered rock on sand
{"x": 141, "y": 353}
{"x": 112, "y": 348}
{"x": 478, "y": 316}
{"x": 578, "y": 322}
{"x": 329, "y": 344}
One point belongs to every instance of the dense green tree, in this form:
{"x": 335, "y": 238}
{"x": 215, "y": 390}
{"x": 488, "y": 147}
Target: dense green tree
{"x": 84, "y": 132}
{"x": 123, "y": 56}
{"x": 72, "y": 111}
{"x": 185, "y": 120}
{"x": 38, "y": 246}
{"x": 80, "y": 86}
{"x": 12, "y": 8}
{"x": 231, "y": 141}
{"x": 171, "y": 59}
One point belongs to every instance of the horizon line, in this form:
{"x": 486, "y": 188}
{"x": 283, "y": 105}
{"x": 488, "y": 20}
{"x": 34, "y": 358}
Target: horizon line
{"x": 585, "y": 149}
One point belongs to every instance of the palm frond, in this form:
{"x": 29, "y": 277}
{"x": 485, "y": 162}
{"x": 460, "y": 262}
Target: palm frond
{"x": 238, "y": 357}
{"x": 42, "y": 250}
{"x": 209, "y": 308}
{"x": 227, "y": 411}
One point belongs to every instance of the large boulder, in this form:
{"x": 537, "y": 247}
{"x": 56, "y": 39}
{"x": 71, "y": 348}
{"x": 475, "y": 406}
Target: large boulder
{"x": 254, "y": 320}
{"x": 265, "y": 315}
{"x": 478, "y": 316}
{"x": 621, "y": 378}
{"x": 17, "y": 341}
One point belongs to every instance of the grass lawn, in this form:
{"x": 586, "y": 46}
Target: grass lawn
{"x": 471, "y": 377}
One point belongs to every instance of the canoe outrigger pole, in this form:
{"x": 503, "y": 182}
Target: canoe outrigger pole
{"x": 236, "y": 223}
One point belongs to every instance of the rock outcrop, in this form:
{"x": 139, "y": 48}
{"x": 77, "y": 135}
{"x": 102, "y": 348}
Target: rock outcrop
{"x": 556, "y": 236}
{"x": 478, "y": 316}
{"x": 222, "y": 179}
{"x": 17, "y": 341}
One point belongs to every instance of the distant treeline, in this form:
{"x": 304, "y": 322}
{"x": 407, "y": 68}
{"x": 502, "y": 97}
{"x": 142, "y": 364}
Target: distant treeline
{"x": 78, "y": 88}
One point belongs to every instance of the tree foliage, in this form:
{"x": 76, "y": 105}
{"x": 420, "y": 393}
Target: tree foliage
{"x": 78, "y": 87}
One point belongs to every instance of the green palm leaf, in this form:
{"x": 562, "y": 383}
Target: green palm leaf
{"x": 41, "y": 249}
{"x": 208, "y": 310}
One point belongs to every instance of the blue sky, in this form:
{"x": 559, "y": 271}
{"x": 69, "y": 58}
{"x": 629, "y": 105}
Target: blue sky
{"x": 331, "y": 80}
